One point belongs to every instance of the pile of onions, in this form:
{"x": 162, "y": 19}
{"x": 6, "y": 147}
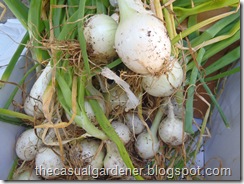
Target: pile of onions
{"x": 143, "y": 45}
{"x": 141, "y": 40}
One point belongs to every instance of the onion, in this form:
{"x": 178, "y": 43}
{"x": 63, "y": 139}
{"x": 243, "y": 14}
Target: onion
{"x": 94, "y": 92}
{"x": 27, "y": 145}
{"x": 33, "y": 102}
{"x": 166, "y": 83}
{"x": 122, "y": 130}
{"x": 147, "y": 144}
{"x": 99, "y": 33}
{"x": 179, "y": 109}
{"x": 141, "y": 39}
{"x": 89, "y": 150}
{"x": 171, "y": 129}
{"x": 113, "y": 162}
{"x": 134, "y": 123}
{"x": 48, "y": 163}
{"x": 27, "y": 175}
{"x": 117, "y": 98}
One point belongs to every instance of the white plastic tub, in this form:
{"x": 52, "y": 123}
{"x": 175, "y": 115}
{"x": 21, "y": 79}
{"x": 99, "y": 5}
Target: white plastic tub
{"x": 11, "y": 34}
{"x": 223, "y": 149}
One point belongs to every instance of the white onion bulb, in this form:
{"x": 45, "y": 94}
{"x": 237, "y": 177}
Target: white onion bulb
{"x": 27, "y": 175}
{"x": 89, "y": 149}
{"x": 33, "y": 103}
{"x": 147, "y": 145}
{"x": 134, "y": 123}
{"x": 166, "y": 83}
{"x": 141, "y": 40}
{"x": 99, "y": 33}
{"x": 171, "y": 129}
{"x": 113, "y": 161}
{"x": 122, "y": 130}
{"x": 27, "y": 145}
{"x": 48, "y": 163}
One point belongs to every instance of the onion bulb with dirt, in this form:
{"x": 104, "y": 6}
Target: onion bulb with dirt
{"x": 171, "y": 129}
{"x": 48, "y": 163}
{"x": 122, "y": 130}
{"x": 113, "y": 162}
{"x": 141, "y": 39}
{"x": 28, "y": 144}
{"x": 166, "y": 83}
{"x": 91, "y": 154}
{"x": 99, "y": 33}
{"x": 134, "y": 123}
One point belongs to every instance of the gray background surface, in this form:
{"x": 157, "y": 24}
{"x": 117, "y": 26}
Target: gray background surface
{"x": 8, "y": 14}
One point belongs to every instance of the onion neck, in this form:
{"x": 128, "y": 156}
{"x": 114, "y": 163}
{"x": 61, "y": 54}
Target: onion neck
{"x": 156, "y": 122}
{"x": 171, "y": 114}
{"x": 125, "y": 9}
{"x": 110, "y": 147}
